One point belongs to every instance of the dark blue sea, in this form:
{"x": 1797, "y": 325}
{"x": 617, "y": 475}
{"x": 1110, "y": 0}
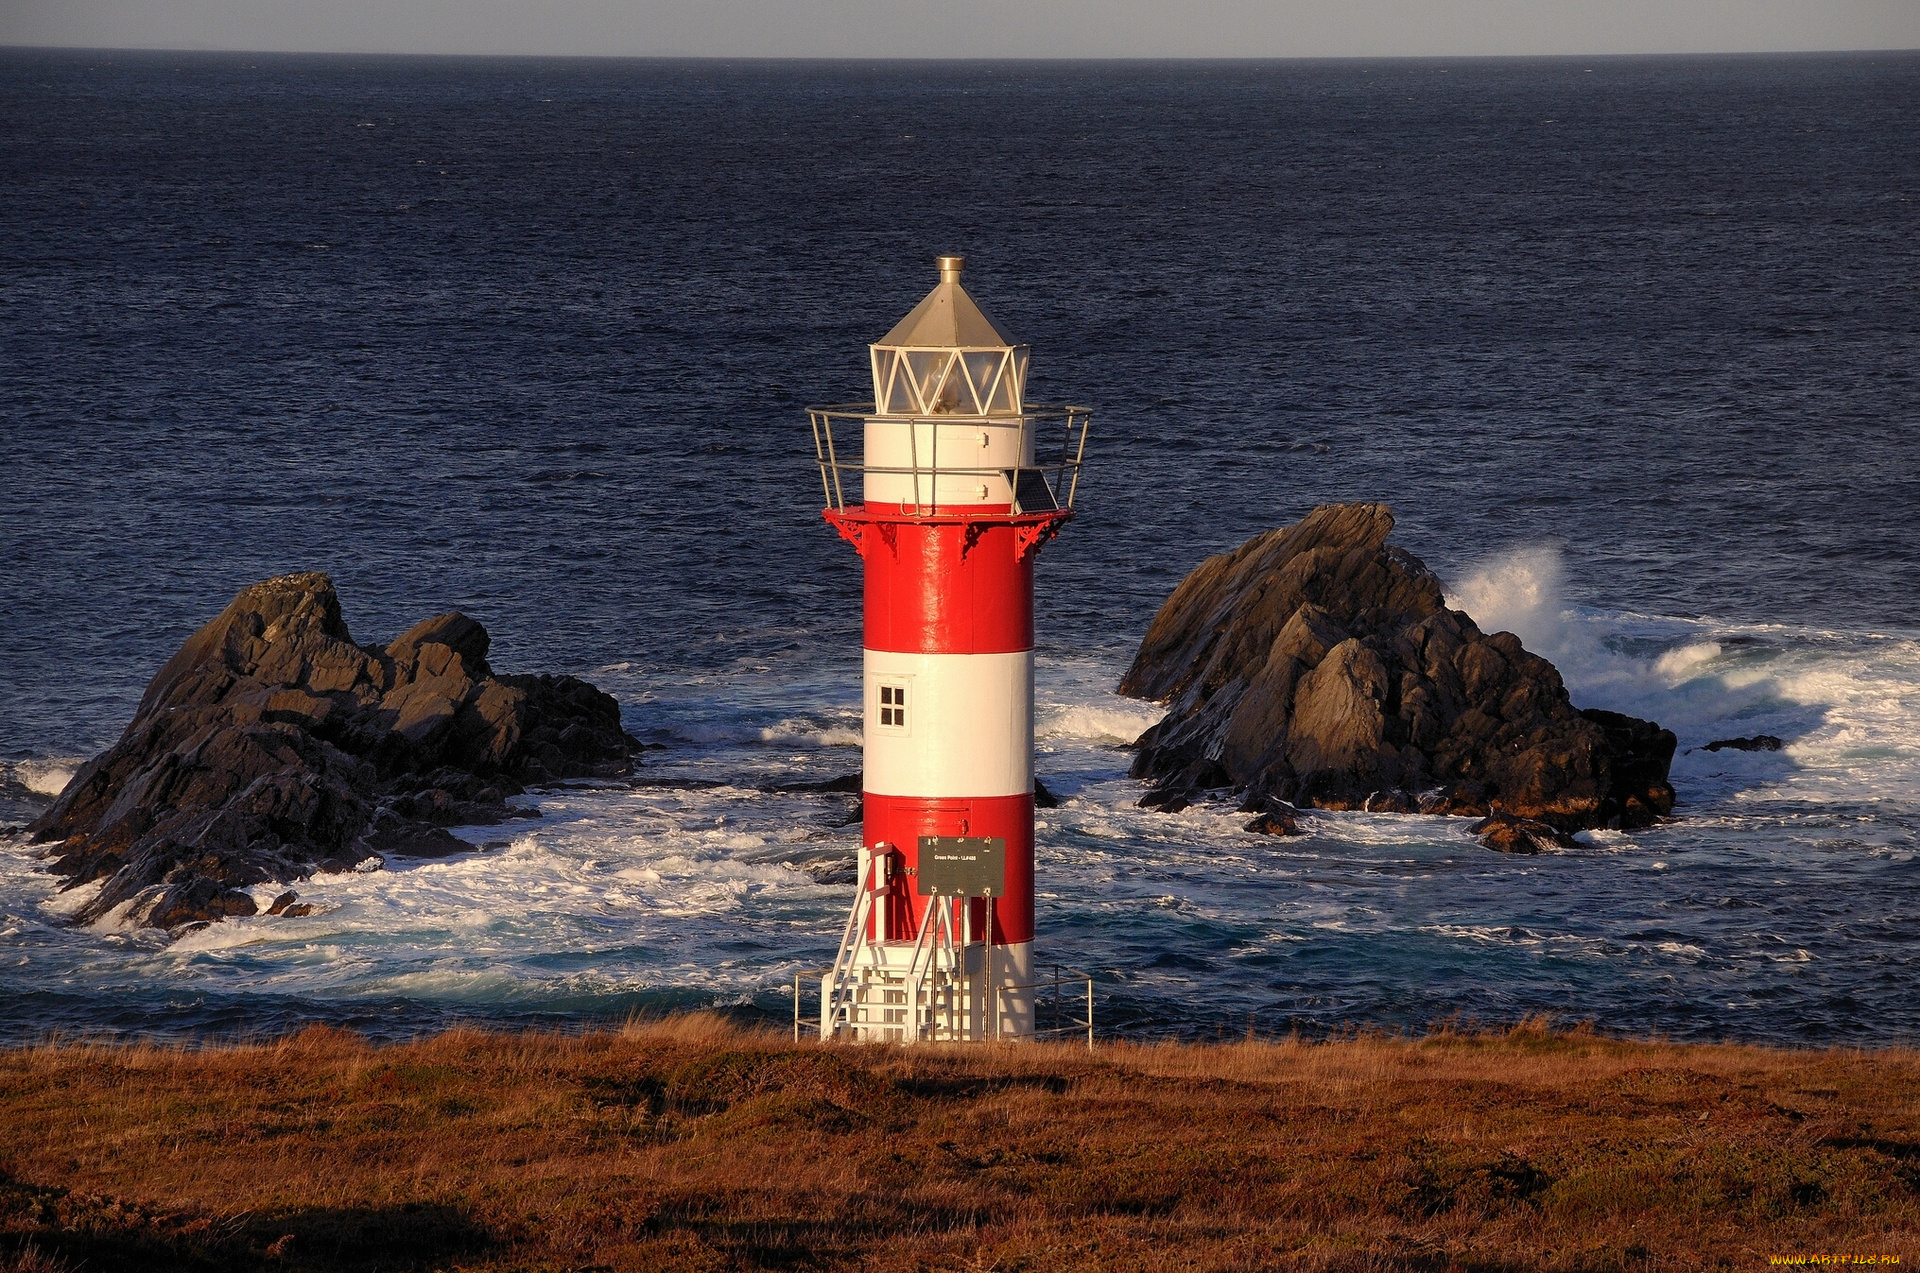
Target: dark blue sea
{"x": 1629, "y": 345}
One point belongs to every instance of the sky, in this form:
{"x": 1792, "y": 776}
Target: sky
{"x": 970, "y": 28}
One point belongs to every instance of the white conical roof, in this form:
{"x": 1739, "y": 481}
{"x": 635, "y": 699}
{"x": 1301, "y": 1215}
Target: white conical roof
{"x": 947, "y": 319}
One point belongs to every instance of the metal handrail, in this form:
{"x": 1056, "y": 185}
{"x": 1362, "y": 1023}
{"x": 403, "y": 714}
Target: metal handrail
{"x": 1060, "y": 470}
{"x": 1062, "y": 976}
{"x": 841, "y": 992}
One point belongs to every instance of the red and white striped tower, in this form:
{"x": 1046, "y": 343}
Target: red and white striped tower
{"x": 962, "y": 482}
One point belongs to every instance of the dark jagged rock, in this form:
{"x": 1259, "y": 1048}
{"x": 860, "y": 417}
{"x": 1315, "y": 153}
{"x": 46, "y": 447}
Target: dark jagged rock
{"x": 1277, "y": 818}
{"x": 1318, "y": 664}
{"x": 1167, "y": 799}
{"x": 845, "y": 784}
{"x": 1505, "y": 833}
{"x": 271, "y": 747}
{"x": 1759, "y": 742}
{"x": 286, "y": 905}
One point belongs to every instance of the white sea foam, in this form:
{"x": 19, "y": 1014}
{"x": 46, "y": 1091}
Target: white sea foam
{"x": 793, "y": 732}
{"x": 624, "y": 876}
{"x": 228, "y": 934}
{"x": 47, "y": 778}
{"x": 1518, "y": 592}
{"x": 65, "y": 904}
{"x": 810, "y": 734}
{"x": 264, "y": 895}
{"x": 119, "y": 918}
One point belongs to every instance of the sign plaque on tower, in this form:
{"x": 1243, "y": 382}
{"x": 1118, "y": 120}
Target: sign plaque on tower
{"x": 962, "y": 866}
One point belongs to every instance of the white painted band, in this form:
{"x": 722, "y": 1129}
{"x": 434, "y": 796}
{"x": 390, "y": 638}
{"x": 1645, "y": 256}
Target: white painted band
{"x": 965, "y": 727}
{"x": 960, "y": 443}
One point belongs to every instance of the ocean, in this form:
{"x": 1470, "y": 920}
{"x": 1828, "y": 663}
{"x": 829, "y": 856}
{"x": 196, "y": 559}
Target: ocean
{"x": 1628, "y": 344}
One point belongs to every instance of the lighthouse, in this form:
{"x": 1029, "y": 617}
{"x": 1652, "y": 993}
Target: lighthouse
{"x": 948, "y": 483}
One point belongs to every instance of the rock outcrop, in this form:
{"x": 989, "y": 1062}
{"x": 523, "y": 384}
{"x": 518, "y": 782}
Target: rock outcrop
{"x": 1505, "y": 833}
{"x": 271, "y": 747}
{"x": 1316, "y": 665}
{"x": 1759, "y": 742}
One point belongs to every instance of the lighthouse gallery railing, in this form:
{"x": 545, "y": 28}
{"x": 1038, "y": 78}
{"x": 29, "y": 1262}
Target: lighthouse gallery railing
{"x": 1058, "y": 436}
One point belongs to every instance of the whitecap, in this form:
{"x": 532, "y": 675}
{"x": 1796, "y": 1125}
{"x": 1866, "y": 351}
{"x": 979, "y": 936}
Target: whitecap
{"x": 1115, "y": 722}
{"x": 810, "y": 734}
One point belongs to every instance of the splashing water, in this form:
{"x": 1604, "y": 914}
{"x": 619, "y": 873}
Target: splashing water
{"x": 1519, "y": 592}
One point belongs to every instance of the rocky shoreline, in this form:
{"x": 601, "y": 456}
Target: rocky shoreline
{"x": 272, "y": 747}
{"x": 1318, "y": 666}
{"x": 1315, "y": 666}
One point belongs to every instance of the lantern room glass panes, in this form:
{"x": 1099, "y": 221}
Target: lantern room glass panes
{"x": 983, "y": 379}
{"x": 926, "y": 382}
{"x": 885, "y": 363}
{"x": 931, "y": 382}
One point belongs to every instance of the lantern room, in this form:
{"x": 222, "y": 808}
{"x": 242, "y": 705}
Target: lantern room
{"x": 947, "y": 357}
{"x": 949, "y": 427}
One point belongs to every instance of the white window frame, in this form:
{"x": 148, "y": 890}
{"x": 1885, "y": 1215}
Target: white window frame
{"x": 893, "y": 705}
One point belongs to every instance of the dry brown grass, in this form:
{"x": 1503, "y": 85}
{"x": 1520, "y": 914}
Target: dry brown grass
{"x": 692, "y": 1144}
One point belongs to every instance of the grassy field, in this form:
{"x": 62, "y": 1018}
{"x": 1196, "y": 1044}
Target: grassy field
{"x": 692, "y": 1144}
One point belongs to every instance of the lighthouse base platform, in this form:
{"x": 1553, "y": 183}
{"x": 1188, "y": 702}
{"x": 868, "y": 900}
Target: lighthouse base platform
{"x": 916, "y": 992}
{"x": 893, "y": 992}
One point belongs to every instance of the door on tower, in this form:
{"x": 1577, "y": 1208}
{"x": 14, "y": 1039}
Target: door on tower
{"x": 895, "y": 824}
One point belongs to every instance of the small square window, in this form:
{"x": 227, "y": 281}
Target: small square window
{"x": 893, "y": 706}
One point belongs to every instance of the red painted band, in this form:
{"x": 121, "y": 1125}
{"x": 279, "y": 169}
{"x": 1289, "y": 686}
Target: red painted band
{"x": 949, "y": 588}
{"x": 900, "y": 821}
